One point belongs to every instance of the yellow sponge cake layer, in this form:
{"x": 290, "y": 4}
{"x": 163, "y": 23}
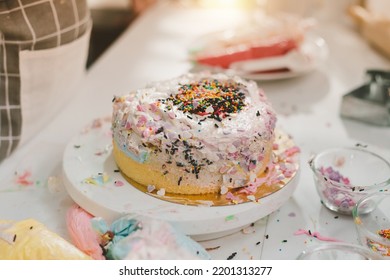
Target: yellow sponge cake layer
{"x": 171, "y": 179}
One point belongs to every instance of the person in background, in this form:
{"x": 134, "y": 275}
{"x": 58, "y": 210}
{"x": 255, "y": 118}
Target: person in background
{"x": 139, "y": 6}
{"x": 43, "y": 52}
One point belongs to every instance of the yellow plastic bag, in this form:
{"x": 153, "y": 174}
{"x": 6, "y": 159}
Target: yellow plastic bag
{"x": 31, "y": 240}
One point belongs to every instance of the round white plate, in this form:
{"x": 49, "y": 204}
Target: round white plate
{"x": 314, "y": 47}
{"x": 94, "y": 182}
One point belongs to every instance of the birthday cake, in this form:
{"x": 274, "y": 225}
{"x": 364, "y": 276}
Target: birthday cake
{"x": 195, "y": 134}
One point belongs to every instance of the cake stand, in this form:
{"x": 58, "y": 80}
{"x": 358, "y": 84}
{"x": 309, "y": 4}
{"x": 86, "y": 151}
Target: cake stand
{"x": 92, "y": 179}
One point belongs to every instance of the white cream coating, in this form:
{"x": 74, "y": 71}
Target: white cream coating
{"x": 228, "y": 155}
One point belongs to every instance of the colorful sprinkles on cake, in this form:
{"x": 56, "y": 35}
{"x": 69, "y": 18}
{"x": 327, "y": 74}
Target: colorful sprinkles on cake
{"x": 211, "y": 98}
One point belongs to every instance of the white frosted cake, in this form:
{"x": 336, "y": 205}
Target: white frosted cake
{"x": 194, "y": 134}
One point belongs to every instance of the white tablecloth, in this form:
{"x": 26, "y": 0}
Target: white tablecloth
{"x": 155, "y": 48}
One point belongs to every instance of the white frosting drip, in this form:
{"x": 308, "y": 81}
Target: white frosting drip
{"x": 144, "y": 122}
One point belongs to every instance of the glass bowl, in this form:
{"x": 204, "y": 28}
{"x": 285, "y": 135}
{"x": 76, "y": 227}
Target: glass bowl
{"x": 372, "y": 219}
{"x": 338, "y": 251}
{"x": 345, "y": 175}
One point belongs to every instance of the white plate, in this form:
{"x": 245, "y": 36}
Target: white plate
{"x": 110, "y": 196}
{"x": 313, "y": 46}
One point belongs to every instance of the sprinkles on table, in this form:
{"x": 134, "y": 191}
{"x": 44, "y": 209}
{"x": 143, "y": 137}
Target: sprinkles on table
{"x": 24, "y": 179}
{"x": 378, "y": 247}
{"x": 385, "y": 233}
{"x": 98, "y": 180}
{"x": 232, "y": 256}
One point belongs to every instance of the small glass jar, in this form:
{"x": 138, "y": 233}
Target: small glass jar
{"x": 337, "y": 251}
{"x": 343, "y": 176}
{"x": 372, "y": 219}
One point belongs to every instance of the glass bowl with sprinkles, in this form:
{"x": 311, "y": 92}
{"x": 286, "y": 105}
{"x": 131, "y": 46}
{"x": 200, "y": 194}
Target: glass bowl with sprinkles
{"x": 345, "y": 175}
{"x": 338, "y": 251}
{"x": 372, "y": 219}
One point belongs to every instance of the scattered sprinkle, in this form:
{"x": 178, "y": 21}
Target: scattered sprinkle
{"x": 316, "y": 235}
{"x": 212, "y": 248}
{"x": 119, "y": 183}
{"x": 361, "y": 145}
{"x": 232, "y": 256}
{"x": 229, "y": 218}
{"x": 378, "y": 247}
{"x": 151, "y": 188}
{"x": 161, "y": 192}
{"x": 98, "y": 180}
{"x": 24, "y": 179}
{"x": 385, "y": 233}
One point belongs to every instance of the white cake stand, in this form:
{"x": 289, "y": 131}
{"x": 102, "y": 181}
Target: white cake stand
{"x": 92, "y": 179}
